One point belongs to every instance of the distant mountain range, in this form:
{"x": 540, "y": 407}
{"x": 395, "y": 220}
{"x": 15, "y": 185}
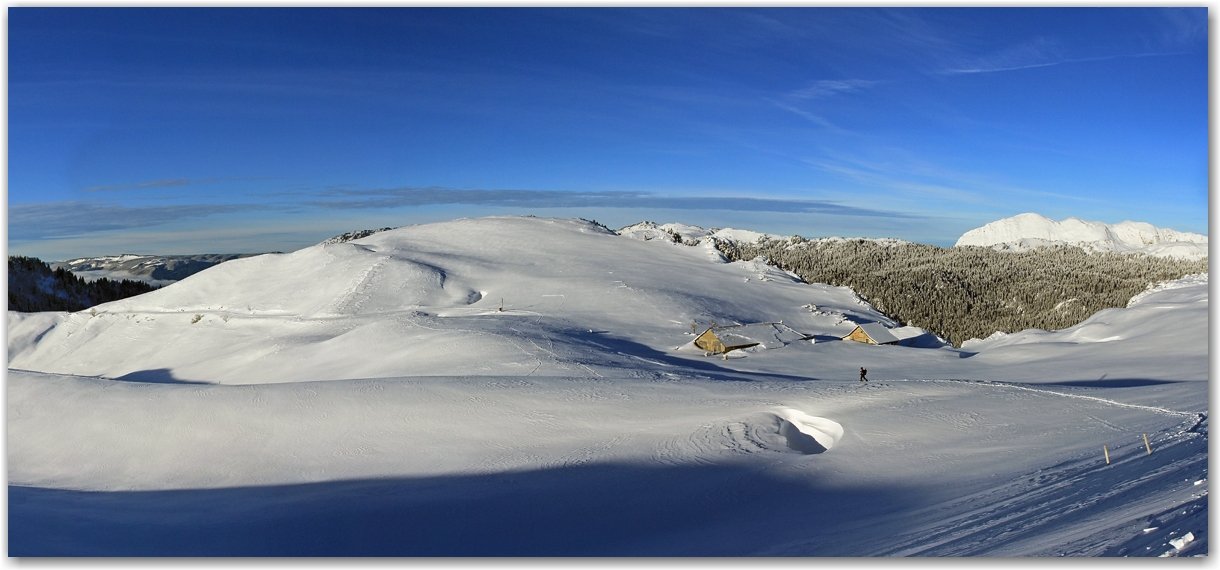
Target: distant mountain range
{"x": 152, "y": 269}
{"x": 77, "y": 284}
{"x": 1018, "y": 233}
{"x": 33, "y": 286}
{"x": 1027, "y": 231}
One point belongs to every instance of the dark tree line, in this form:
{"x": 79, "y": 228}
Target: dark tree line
{"x": 961, "y": 293}
{"x": 33, "y": 286}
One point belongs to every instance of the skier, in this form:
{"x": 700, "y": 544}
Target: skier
{"x": 862, "y": 373}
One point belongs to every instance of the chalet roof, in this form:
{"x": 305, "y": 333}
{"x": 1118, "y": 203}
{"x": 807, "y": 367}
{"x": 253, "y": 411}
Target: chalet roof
{"x": 878, "y": 333}
{"x": 730, "y": 340}
{"x": 769, "y": 335}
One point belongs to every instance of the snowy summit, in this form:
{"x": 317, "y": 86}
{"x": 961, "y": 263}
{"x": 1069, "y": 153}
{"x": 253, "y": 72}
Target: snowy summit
{"x": 1027, "y": 231}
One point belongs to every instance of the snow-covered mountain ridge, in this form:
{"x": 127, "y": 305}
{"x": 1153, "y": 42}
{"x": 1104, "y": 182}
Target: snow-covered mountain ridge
{"x": 695, "y": 235}
{"x": 1029, "y": 230}
{"x": 448, "y": 286}
{"x": 423, "y": 299}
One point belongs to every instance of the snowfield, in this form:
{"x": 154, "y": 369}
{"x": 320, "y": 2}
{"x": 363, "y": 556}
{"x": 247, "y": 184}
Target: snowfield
{"x": 529, "y": 386}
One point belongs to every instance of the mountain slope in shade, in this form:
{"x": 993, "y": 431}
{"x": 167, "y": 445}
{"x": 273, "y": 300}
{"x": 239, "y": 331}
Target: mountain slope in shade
{"x": 1027, "y": 231}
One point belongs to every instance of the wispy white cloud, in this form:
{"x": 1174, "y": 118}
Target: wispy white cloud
{"x": 1039, "y": 52}
{"x": 1061, "y": 62}
{"x": 811, "y": 117}
{"x": 153, "y": 184}
{"x": 1178, "y": 27}
{"x": 829, "y": 87}
{"x": 819, "y": 91}
{"x": 883, "y": 179}
{"x": 910, "y": 175}
{"x": 384, "y": 198}
{"x": 166, "y": 183}
{"x": 48, "y": 220}
{"x": 56, "y": 220}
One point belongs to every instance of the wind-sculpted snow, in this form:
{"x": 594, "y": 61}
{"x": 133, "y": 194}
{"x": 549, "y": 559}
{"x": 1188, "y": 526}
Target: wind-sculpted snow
{"x": 808, "y": 434}
{"x": 525, "y": 386}
{"x": 1026, "y": 231}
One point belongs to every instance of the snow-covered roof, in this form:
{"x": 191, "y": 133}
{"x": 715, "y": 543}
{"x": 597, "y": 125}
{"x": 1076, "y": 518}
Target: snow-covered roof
{"x": 878, "y": 333}
{"x": 730, "y": 340}
{"x": 769, "y": 335}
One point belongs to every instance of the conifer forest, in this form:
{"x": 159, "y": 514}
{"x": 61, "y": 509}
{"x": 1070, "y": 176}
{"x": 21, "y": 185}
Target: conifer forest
{"x": 960, "y": 293}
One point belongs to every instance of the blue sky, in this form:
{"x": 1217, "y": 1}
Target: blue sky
{"x": 243, "y": 130}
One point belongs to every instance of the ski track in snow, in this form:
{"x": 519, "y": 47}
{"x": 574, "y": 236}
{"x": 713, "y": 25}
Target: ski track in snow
{"x": 1062, "y": 394}
{"x": 994, "y": 522}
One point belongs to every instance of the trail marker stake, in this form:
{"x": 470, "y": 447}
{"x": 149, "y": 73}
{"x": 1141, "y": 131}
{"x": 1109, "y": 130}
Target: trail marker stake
{"x": 1107, "y": 452}
{"x": 1146, "y": 444}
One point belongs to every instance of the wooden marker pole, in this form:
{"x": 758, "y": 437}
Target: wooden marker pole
{"x": 1146, "y": 444}
{"x": 1107, "y": 452}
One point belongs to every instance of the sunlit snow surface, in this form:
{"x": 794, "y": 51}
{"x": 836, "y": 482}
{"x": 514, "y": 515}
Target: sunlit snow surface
{"x": 1028, "y": 231}
{"x": 372, "y": 398}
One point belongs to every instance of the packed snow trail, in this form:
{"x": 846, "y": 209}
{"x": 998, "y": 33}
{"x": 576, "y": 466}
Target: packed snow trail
{"x": 1084, "y": 503}
{"x": 1046, "y": 390}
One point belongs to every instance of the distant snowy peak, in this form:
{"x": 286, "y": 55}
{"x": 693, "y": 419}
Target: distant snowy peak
{"x": 675, "y": 233}
{"x": 1027, "y": 231}
{"x": 690, "y": 235}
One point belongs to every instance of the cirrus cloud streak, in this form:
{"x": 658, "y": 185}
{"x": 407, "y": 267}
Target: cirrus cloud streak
{"x": 410, "y": 196}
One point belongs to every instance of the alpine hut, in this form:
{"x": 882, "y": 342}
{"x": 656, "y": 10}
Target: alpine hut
{"x": 721, "y": 340}
{"x": 872, "y": 333}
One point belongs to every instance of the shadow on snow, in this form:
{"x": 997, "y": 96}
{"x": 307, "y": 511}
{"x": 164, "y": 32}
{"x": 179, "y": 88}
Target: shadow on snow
{"x": 1112, "y": 383}
{"x": 154, "y": 376}
{"x": 706, "y": 366}
{"x": 590, "y": 510}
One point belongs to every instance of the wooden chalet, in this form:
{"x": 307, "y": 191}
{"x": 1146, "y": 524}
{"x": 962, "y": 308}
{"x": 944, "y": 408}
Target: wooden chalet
{"x": 721, "y": 340}
{"x": 872, "y": 333}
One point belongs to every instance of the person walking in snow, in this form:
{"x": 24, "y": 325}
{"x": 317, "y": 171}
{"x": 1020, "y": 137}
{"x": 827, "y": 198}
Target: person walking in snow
{"x": 862, "y": 373}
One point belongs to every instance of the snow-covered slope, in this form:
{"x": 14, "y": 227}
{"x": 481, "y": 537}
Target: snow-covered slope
{"x": 1147, "y": 340}
{"x": 1026, "y": 231}
{"x": 388, "y": 406}
{"x": 427, "y": 300}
